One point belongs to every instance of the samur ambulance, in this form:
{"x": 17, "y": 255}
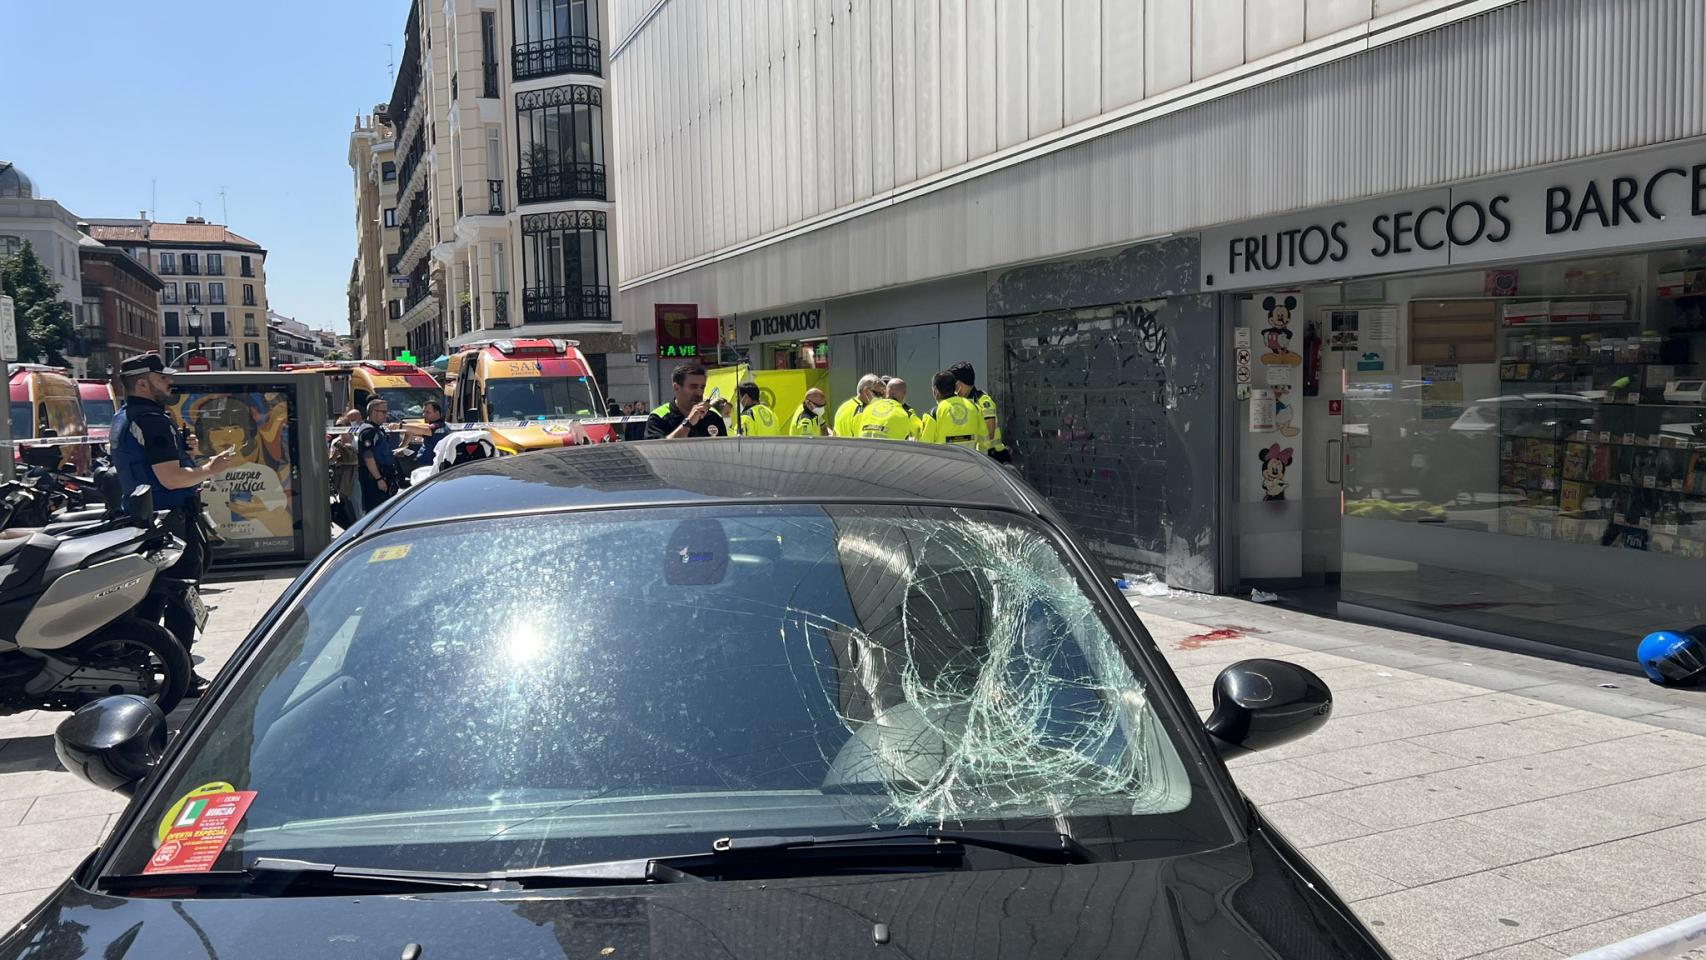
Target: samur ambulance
{"x": 352, "y": 383}
{"x": 47, "y": 404}
{"x": 530, "y": 394}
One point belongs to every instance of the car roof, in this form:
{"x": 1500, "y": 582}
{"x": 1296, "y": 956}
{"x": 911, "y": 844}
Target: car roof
{"x": 728, "y": 469}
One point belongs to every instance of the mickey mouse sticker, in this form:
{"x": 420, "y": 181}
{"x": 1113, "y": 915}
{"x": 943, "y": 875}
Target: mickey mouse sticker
{"x": 1278, "y": 333}
{"x": 1275, "y": 460}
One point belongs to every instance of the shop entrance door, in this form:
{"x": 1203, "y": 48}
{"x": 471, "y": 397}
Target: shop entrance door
{"x": 1323, "y": 448}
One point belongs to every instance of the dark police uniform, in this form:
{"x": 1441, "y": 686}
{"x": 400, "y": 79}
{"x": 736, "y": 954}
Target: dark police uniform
{"x": 142, "y": 435}
{"x": 666, "y": 418}
{"x": 429, "y": 445}
{"x": 376, "y": 440}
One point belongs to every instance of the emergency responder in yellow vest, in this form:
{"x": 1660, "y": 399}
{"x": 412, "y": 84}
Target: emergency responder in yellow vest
{"x": 885, "y": 419}
{"x": 808, "y": 416}
{"x": 756, "y": 419}
{"x": 955, "y": 419}
{"x": 965, "y": 378}
{"x": 897, "y": 392}
{"x": 847, "y": 415}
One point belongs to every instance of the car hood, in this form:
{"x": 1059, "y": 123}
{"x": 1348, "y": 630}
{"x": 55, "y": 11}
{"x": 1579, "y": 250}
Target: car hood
{"x": 548, "y": 434}
{"x": 1240, "y": 901}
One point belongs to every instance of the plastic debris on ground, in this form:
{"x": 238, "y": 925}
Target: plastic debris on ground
{"x": 1143, "y": 585}
{"x": 1262, "y": 596}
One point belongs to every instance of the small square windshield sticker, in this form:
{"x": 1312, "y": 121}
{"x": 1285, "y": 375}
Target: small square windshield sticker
{"x": 382, "y": 554}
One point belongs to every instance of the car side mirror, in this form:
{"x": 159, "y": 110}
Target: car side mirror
{"x": 112, "y": 743}
{"x": 142, "y": 502}
{"x": 1263, "y": 703}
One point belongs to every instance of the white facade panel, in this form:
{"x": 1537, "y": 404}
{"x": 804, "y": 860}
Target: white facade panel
{"x": 927, "y": 83}
{"x": 1271, "y": 26}
{"x": 884, "y": 65}
{"x": 1045, "y": 80}
{"x": 1122, "y": 53}
{"x": 955, "y": 73}
{"x": 983, "y": 92}
{"x": 1012, "y": 106}
{"x": 904, "y": 131}
{"x": 1217, "y": 36}
{"x": 1166, "y": 46}
{"x": 1081, "y": 50}
{"x": 859, "y": 40}
{"x": 1326, "y": 16}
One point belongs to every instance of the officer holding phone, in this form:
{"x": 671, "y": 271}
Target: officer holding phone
{"x": 147, "y": 450}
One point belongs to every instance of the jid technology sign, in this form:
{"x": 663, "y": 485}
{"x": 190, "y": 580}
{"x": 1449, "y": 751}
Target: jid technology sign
{"x": 1643, "y": 198}
{"x": 805, "y": 323}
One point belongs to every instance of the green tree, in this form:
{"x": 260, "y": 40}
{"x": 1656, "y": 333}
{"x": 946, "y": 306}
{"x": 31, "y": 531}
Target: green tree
{"x": 337, "y": 355}
{"x": 44, "y": 320}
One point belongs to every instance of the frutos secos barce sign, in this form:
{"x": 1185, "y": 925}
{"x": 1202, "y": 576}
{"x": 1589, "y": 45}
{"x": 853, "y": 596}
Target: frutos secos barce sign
{"x": 1638, "y": 198}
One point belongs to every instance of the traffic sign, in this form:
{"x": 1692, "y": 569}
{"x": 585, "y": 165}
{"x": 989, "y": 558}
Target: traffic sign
{"x": 8, "y": 330}
{"x": 197, "y": 364}
{"x": 642, "y": 358}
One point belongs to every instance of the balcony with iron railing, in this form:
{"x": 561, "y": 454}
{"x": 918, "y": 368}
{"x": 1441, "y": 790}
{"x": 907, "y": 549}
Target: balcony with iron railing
{"x": 168, "y": 296}
{"x": 558, "y": 55}
{"x": 216, "y": 268}
{"x": 192, "y": 269}
{"x": 411, "y": 162}
{"x": 420, "y": 287}
{"x": 565, "y": 304}
{"x": 249, "y": 300}
{"x": 218, "y": 299}
{"x": 500, "y": 310}
{"x": 539, "y": 182}
{"x": 168, "y": 268}
{"x": 494, "y": 197}
{"x": 466, "y": 318}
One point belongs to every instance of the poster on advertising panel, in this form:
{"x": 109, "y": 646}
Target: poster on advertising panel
{"x": 253, "y": 504}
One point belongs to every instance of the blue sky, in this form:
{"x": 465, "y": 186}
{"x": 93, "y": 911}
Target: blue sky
{"x": 103, "y": 96}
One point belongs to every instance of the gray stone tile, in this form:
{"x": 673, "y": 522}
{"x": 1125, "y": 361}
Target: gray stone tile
{"x": 28, "y": 753}
{"x": 1482, "y": 675}
{"x": 1586, "y": 726}
{"x": 41, "y": 871}
{"x": 1532, "y": 950}
{"x": 1416, "y": 800}
{"x": 33, "y": 838}
{"x": 1688, "y": 839}
{"x": 1431, "y": 852}
{"x": 1339, "y": 679}
{"x": 12, "y": 811}
{"x": 1392, "y": 656}
{"x": 1313, "y": 640}
{"x": 1604, "y": 874}
{"x": 1686, "y": 719}
{"x": 1474, "y": 914}
{"x": 70, "y": 806}
{"x": 1497, "y": 741}
{"x": 1592, "y": 698}
{"x": 1286, "y": 780}
{"x": 1392, "y": 760}
{"x": 1351, "y": 879}
{"x": 16, "y": 906}
{"x": 1306, "y": 824}
{"x": 33, "y": 783}
{"x": 1585, "y": 938}
{"x": 1224, "y": 652}
{"x": 1572, "y": 821}
{"x": 1403, "y": 693}
{"x": 1671, "y": 797}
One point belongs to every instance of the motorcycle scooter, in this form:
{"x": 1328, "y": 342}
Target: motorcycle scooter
{"x": 69, "y": 629}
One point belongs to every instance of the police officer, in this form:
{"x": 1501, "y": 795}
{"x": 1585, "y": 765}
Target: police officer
{"x": 147, "y": 450}
{"x": 955, "y": 419}
{"x": 431, "y": 433}
{"x": 808, "y": 416}
{"x": 376, "y": 462}
{"x": 688, "y": 415}
{"x": 756, "y": 419}
{"x": 965, "y": 378}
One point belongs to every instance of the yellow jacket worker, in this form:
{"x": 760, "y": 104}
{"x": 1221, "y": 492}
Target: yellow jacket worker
{"x": 847, "y": 415}
{"x": 965, "y": 380}
{"x": 897, "y": 392}
{"x": 756, "y": 419}
{"x": 808, "y": 416}
{"x": 885, "y": 419}
{"x": 955, "y": 420}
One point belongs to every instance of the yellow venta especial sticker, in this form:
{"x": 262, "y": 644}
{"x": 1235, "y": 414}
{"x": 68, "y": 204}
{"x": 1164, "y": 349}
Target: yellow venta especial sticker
{"x": 382, "y": 554}
{"x": 172, "y": 812}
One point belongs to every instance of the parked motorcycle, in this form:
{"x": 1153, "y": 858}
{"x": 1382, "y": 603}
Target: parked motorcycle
{"x": 69, "y": 629}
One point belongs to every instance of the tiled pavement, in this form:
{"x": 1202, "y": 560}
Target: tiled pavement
{"x": 1469, "y": 803}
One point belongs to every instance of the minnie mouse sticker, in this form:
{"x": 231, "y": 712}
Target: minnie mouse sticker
{"x": 1275, "y": 461}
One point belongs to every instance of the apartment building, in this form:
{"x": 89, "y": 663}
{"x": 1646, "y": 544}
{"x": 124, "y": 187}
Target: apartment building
{"x": 121, "y": 307}
{"x": 214, "y": 298}
{"x": 376, "y": 306}
{"x": 504, "y": 200}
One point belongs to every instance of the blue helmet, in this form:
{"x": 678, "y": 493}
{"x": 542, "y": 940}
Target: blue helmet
{"x": 1671, "y": 657}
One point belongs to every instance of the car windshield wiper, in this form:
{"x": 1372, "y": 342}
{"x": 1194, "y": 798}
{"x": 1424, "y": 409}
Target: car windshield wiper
{"x": 731, "y": 854}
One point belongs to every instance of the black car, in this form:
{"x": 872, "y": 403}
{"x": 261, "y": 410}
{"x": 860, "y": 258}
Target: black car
{"x": 698, "y": 699}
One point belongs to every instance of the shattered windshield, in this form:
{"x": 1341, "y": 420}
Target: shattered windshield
{"x": 509, "y": 693}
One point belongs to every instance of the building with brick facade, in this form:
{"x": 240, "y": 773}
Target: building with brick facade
{"x": 121, "y": 307}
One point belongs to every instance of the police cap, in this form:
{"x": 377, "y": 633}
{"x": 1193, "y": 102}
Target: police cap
{"x": 145, "y": 363}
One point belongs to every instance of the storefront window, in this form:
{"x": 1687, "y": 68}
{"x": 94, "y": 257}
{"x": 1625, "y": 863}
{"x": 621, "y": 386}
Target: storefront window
{"x": 1521, "y": 448}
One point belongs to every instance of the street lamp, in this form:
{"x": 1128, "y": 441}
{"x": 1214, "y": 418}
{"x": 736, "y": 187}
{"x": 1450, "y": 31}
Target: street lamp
{"x": 195, "y": 327}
